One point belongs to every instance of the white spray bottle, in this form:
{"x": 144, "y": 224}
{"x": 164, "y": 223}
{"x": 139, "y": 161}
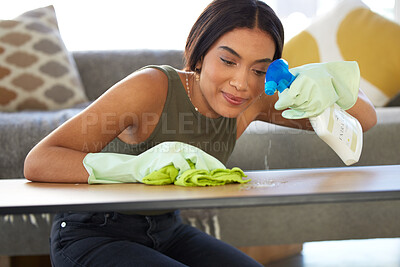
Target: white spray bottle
{"x": 341, "y": 131}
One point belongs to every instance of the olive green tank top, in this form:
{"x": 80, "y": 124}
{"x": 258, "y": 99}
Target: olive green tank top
{"x": 181, "y": 122}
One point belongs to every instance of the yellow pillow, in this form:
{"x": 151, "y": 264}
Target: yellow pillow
{"x": 353, "y": 32}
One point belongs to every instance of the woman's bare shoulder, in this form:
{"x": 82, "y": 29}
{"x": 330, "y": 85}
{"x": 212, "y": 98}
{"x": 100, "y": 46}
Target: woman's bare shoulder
{"x": 120, "y": 107}
{"x": 141, "y": 87}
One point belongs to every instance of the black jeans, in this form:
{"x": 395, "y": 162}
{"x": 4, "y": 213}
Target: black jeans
{"x": 115, "y": 239}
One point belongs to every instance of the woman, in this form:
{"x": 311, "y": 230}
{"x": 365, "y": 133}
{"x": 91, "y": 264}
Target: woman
{"x": 212, "y": 102}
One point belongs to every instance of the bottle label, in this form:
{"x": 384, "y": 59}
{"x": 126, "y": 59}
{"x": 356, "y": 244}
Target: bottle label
{"x": 343, "y": 126}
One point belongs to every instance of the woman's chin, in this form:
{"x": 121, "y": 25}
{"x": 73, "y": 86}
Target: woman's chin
{"x": 230, "y": 113}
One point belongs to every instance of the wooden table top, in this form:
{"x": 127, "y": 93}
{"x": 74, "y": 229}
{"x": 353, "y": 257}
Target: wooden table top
{"x": 273, "y": 187}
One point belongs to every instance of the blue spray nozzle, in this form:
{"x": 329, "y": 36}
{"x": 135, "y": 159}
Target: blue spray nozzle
{"x": 278, "y": 77}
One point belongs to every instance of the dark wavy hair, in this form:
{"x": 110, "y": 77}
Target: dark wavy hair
{"x": 222, "y": 16}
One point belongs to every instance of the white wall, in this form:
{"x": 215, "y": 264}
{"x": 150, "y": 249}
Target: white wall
{"x": 160, "y": 24}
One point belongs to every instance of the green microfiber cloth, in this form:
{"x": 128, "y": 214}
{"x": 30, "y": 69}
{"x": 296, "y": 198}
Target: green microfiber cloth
{"x": 194, "y": 177}
{"x": 215, "y": 177}
{"x": 165, "y": 175}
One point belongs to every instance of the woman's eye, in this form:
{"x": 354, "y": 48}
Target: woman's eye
{"x": 260, "y": 73}
{"x": 227, "y": 62}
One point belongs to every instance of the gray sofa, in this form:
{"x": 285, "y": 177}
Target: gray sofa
{"x": 263, "y": 146}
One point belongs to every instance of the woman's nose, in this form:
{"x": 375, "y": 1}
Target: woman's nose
{"x": 239, "y": 81}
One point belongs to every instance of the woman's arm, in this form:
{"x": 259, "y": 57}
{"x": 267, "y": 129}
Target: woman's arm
{"x": 364, "y": 111}
{"x": 58, "y": 157}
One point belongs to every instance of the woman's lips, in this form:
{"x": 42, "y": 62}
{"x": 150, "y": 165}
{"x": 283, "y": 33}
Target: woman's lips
{"x": 234, "y": 100}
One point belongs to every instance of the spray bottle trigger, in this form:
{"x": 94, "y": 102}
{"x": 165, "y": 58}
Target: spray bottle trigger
{"x": 283, "y": 85}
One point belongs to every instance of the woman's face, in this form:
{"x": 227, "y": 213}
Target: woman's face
{"x": 233, "y": 71}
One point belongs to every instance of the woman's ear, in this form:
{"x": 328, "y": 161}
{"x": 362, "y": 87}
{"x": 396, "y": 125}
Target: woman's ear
{"x": 199, "y": 65}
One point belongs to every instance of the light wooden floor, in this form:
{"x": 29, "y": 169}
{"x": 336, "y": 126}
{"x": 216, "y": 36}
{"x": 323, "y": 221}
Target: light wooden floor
{"x": 351, "y": 253}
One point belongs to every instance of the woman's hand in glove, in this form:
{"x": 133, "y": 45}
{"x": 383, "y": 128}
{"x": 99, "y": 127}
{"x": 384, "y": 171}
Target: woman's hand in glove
{"x": 317, "y": 87}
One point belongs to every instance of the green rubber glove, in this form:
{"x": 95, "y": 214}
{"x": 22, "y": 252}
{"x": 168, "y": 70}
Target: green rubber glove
{"x": 317, "y": 87}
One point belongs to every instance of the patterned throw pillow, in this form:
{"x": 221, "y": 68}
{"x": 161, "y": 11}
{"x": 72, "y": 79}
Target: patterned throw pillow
{"x": 36, "y": 70}
{"x": 353, "y": 32}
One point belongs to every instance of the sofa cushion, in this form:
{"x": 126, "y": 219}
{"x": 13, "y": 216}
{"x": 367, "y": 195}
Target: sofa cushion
{"x": 100, "y": 70}
{"x": 36, "y": 70}
{"x": 351, "y": 31}
{"x": 20, "y": 131}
